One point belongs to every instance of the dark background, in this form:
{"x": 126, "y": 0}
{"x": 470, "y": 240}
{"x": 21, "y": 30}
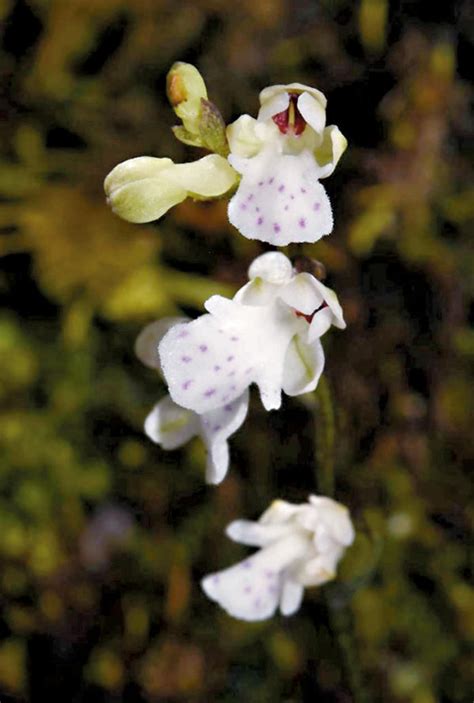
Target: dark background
{"x": 103, "y": 536}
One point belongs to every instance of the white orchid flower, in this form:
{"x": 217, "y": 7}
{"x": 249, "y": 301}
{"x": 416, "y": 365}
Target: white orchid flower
{"x": 300, "y": 546}
{"x": 144, "y": 188}
{"x": 281, "y": 156}
{"x": 171, "y": 426}
{"x": 268, "y": 335}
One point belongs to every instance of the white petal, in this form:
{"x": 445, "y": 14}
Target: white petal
{"x": 244, "y": 591}
{"x": 331, "y": 315}
{"x": 280, "y": 511}
{"x": 336, "y": 516}
{"x": 146, "y": 199}
{"x": 291, "y": 596}
{"x": 268, "y": 93}
{"x": 205, "y": 364}
{"x": 146, "y": 345}
{"x": 273, "y": 266}
{"x": 251, "y": 590}
{"x": 216, "y": 428}
{"x": 316, "y": 571}
{"x": 272, "y": 106}
{"x": 257, "y": 292}
{"x": 313, "y": 112}
{"x": 256, "y": 534}
{"x": 170, "y": 425}
{"x": 280, "y": 200}
{"x": 332, "y": 147}
{"x": 243, "y": 137}
{"x": 303, "y": 293}
{"x": 304, "y": 364}
{"x": 211, "y": 361}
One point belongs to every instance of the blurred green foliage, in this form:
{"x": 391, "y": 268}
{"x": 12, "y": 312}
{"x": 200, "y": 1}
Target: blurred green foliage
{"x": 103, "y": 536}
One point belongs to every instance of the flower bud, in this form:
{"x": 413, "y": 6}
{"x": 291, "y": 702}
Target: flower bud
{"x": 185, "y": 87}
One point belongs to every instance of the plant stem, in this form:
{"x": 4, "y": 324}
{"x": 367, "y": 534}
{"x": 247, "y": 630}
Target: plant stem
{"x": 340, "y": 615}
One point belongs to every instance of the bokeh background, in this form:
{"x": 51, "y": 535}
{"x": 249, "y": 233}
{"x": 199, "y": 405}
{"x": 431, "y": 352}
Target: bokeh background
{"x": 103, "y": 536}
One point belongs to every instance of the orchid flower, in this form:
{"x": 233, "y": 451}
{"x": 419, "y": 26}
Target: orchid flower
{"x": 267, "y": 334}
{"x": 282, "y": 155}
{"x": 300, "y": 545}
{"x": 171, "y": 426}
{"x": 144, "y": 188}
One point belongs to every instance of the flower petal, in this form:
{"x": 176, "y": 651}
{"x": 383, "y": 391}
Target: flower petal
{"x": 216, "y": 428}
{"x": 244, "y": 591}
{"x": 313, "y": 111}
{"x": 207, "y": 178}
{"x": 279, "y": 199}
{"x": 243, "y": 137}
{"x": 304, "y": 364}
{"x": 273, "y": 266}
{"x": 256, "y": 534}
{"x": 268, "y": 93}
{"x": 205, "y": 364}
{"x": 211, "y": 361}
{"x": 251, "y": 590}
{"x": 302, "y": 293}
{"x": 330, "y": 150}
{"x": 170, "y": 425}
{"x": 291, "y": 596}
{"x": 279, "y": 511}
{"x": 146, "y": 345}
{"x": 272, "y": 105}
{"x": 136, "y": 169}
{"x": 330, "y": 315}
{"x": 146, "y": 199}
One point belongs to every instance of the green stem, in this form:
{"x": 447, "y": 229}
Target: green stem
{"x": 340, "y": 615}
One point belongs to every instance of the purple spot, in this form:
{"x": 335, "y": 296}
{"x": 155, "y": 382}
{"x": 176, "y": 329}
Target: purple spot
{"x": 269, "y": 573}
{"x": 230, "y": 358}
{"x": 286, "y": 207}
{"x": 250, "y": 197}
{"x": 225, "y": 398}
{"x": 233, "y": 388}
{"x": 243, "y": 206}
{"x": 260, "y": 183}
{"x": 234, "y": 339}
{"x": 272, "y": 588}
{"x": 210, "y": 392}
{"x": 292, "y": 197}
{"x": 186, "y": 359}
{"x": 270, "y": 181}
{"x": 216, "y": 428}
{"x": 316, "y": 206}
{"x": 260, "y": 221}
{"x": 228, "y": 408}
{"x": 217, "y": 368}
{"x": 276, "y": 227}
{"x": 247, "y": 371}
{"x": 248, "y": 589}
{"x": 186, "y": 385}
{"x": 221, "y": 331}
{"x": 257, "y": 209}
{"x": 183, "y": 334}
{"x": 215, "y": 578}
{"x": 303, "y": 190}
{"x": 203, "y": 347}
{"x": 281, "y": 188}
{"x": 258, "y": 602}
{"x": 247, "y": 564}
{"x": 302, "y": 222}
{"x": 231, "y": 374}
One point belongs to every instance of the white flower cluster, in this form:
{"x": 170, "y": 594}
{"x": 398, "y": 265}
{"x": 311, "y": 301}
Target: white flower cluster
{"x": 268, "y": 334}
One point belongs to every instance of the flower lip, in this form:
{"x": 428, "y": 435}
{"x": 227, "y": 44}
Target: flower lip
{"x": 290, "y": 120}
